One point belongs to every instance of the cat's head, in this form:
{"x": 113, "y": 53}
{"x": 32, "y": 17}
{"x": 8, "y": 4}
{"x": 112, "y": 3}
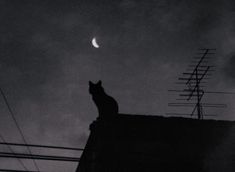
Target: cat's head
{"x": 95, "y": 88}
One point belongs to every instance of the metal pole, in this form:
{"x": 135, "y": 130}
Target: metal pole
{"x": 198, "y": 97}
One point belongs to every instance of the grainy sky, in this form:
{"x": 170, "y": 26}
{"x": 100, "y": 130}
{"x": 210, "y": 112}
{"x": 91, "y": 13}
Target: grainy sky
{"x": 46, "y": 61}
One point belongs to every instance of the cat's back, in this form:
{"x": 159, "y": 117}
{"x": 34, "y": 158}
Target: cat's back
{"x": 112, "y": 102}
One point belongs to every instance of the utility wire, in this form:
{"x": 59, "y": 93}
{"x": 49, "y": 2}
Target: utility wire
{"x": 17, "y": 125}
{"x": 39, "y": 157}
{"x": 13, "y": 152}
{"x": 41, "y": 146}
{"x": 9, "y": 170}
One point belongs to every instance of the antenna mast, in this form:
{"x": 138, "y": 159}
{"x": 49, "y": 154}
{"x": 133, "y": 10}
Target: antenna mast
{"x": 193, "y": 79}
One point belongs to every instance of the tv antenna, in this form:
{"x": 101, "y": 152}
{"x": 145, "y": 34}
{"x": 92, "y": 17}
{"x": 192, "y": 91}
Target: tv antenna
{"x": 195, "y": 76}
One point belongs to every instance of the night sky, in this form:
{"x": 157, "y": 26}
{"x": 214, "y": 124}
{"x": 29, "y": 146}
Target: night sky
{"x": 47, "y": 59}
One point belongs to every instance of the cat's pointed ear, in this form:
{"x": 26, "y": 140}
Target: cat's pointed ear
{"x": 90, "y": 83}
{"x": 99, "y": 83}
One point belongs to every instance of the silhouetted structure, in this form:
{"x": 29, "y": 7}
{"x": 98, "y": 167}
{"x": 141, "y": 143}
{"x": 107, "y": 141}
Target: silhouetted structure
{"x": 198, "y": 73}
{"x": 151, "y": 143}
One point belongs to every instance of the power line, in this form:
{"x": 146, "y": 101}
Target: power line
{"x": 12, "y": 151}
{"x": 188, "y": 114}
{"x": 39, "y": 157}
{"x": 9, "y": 170}
{"x": 17, "y": 125}
{"x": 219, "y": 92}
{"x": 41, "y": 146}
{"x": 212, "y": 92}
{"x": 203, "y": 104}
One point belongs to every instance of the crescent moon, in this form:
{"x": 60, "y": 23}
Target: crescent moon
{"x": 94, "y": 43}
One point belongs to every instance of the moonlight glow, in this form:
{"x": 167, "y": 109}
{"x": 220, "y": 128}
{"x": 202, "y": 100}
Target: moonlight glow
{"x": 94, "y": 43}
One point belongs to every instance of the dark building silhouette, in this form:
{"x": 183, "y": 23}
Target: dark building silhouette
{"x": 138, "y": 143}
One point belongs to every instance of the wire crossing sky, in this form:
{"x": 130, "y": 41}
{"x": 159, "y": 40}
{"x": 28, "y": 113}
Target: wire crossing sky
{"x": 47, "y": 59}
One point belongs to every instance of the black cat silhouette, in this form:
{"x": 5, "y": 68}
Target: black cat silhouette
{"x": 106, "y": 105}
